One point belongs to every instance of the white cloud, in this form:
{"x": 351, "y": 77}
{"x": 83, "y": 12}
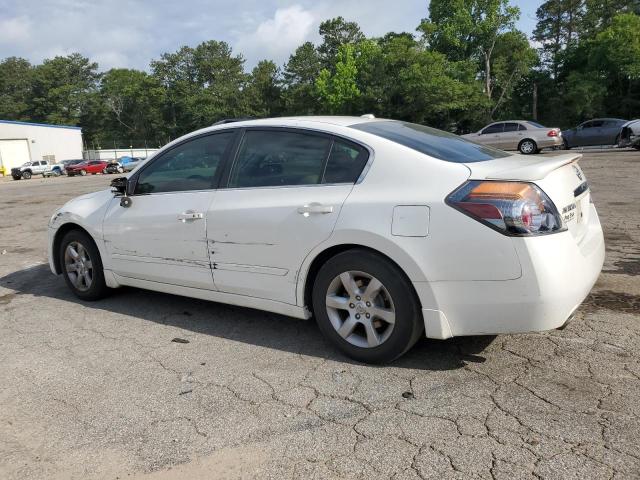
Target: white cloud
{"x": 276, "y": 38}
{"x": 14, "y": 30}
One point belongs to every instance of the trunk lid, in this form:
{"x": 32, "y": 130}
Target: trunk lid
{"x": 560, "y": 177}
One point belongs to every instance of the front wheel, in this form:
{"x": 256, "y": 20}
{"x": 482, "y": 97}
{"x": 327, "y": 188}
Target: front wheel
{"x": 120, "y": 170}
{"x": 26, "y": 175}
{"x": 366, "y": 307}
{"x": 82, "y": 266}
{"x": 83, "y": 172}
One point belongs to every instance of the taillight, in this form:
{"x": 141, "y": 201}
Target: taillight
{"x": 513, "y": 208}
{"x": 552, "y": 133}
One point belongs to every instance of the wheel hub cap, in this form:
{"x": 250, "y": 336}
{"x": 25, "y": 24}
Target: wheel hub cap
{"x": 360, "y": 309}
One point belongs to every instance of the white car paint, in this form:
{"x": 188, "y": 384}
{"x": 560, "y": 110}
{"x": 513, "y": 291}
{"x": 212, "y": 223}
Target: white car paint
{"x": 254, "y": 247}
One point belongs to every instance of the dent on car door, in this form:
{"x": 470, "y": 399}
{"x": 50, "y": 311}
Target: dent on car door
{"x": 284, "y": 195}
{"x": 161, "y": 237}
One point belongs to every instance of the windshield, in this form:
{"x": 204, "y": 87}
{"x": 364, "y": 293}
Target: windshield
{"x": 430, "y": 141}
{"x": 26, "y": 164}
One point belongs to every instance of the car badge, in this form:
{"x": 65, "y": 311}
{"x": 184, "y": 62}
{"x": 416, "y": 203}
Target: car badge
{"x": 578, "y": 172}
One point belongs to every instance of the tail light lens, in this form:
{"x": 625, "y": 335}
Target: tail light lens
{"x": 512, "y": 208}
{"x": 552, "y": 133}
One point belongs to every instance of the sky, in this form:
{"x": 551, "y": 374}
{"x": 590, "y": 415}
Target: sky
{"x": 129, "y": 34}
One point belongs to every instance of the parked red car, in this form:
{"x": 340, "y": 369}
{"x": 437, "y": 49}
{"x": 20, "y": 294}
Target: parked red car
{"x": 92, "y": 166}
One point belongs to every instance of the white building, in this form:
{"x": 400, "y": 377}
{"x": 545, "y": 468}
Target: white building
{"x": 22, "y": 142}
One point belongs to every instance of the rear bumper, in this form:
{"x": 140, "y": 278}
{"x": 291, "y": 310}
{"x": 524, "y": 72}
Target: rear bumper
{"x": 557, "y": 275}
{"x": 550, "y": 142}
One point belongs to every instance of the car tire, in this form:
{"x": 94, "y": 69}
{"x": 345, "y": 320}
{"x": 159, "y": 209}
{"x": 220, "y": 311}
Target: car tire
{"x": 527, "y": 147}
{"x": 83, "y": 274}
{"x": 120, "y": 170}
{"x": 83, "y": 172}
{"x": 566, "y": 144}
{"x": 56, "y": 173}
{"x": 371, "y": 328}
{"x": 26, "y": 175}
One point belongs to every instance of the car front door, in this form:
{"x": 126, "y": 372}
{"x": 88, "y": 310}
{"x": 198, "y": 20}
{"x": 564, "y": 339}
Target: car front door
{"x": 161, "y": 236}
{"x": 491, "y": 135}
{"x": 283, "y": 197}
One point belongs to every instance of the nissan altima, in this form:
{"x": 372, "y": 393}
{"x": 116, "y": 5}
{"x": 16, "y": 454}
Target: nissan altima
{"x": 384, "y": 231}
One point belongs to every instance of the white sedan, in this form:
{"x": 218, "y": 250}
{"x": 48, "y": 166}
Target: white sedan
{"x": 384, "y": 231}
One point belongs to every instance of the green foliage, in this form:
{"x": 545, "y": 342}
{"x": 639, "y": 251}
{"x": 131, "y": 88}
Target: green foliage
{"x": 339, "y": 90}
{"x": 61, "y": 88}
{"x": 467, "y": 65}
{"x": 15, "y": 88}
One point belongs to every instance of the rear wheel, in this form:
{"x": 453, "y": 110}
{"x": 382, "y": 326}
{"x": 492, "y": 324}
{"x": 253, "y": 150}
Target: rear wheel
{"x": 566, "y": 144}
{"x": 82, "y": 266}
{"x": 366, "y": 307}
{"x": 527, "y": 147}
{"x": 26, "y": 175}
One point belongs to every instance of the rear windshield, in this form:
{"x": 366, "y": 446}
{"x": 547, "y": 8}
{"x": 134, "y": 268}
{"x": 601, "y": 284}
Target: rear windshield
{"x": 535, "y": 124}
{"x": 432, "y": 142}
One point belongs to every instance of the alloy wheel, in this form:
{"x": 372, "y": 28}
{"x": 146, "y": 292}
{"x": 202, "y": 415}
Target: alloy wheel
{"x": 360, "y": 309}
{"x": 78, "y": 265}
{"x": 527, "y": 147}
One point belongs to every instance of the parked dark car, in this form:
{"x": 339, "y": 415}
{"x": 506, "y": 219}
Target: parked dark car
{"x": 92, "y": 166}
{"x": 599, "y": 131}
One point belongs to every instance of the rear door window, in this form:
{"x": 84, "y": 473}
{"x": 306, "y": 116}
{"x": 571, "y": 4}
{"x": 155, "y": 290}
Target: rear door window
{"x": 268, "y": 158}
{"x": 346, "y": 162}
{"x": 435, "y": 143}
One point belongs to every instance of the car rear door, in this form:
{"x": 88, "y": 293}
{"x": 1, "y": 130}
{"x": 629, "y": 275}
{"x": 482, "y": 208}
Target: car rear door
{"x": 509, "y": 139}
{"x": 161, "y": 237}
{"x": 285, "y": 191}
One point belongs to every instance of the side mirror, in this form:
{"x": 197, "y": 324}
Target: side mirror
{"x": 119, "y": 185}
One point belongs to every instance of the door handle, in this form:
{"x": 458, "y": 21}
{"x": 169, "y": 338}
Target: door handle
{"x": 314, "y": 208}
{"x": 190, "y": 216}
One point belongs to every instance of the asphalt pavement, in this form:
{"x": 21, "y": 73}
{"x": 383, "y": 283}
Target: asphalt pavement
{"x": 148, "y": 385}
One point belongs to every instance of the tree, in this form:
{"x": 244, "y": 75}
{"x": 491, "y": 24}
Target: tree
{"x": 600, "y": 13}
{"x": 335, "y": 33}
{"x": 338, "y": 90}
{"x": 61, "y": 88}
{"x": 133, "y": 102}
{"x": 263, "y": 92}
{"x": 557, "y": 28}
{"x": 202, "y": 85}
{"x": 15, "y": 88}
{"x": 513, "y": 60}
{"x": 299, "y": 78}
{"x": 469, "y": 29}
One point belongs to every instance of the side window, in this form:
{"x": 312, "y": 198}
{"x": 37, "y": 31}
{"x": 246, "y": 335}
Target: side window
{"x": 190, "y": 166}
{"x": 510, "y": 127}
{"x": 495, "y": 128}
{"x": 273, "y": 159}
{"x": 597, "y": 123}
{"x": 35, "y": 164}
{"x": 345, "y": 163}
{"x": 521, "y": 127}
{"x": 587, "y": 125}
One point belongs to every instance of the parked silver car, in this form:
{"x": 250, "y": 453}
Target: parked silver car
{"x": 599, "y": 131}
{"x": 522, "y": 135}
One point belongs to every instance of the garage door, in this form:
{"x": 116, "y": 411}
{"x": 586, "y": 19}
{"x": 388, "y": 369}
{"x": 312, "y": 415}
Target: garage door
{"x": 13, "y": 153}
